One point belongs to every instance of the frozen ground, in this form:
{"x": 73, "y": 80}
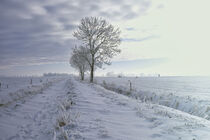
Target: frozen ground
{"x": 107, "y": 115}
{"x": 188, "y": 94}
{"x": 32, "y": 117}
{"x": 15, "y": 88}
{"x": 70, "y": 109}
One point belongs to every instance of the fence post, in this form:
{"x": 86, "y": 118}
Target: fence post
{"x": 130, "y": 85}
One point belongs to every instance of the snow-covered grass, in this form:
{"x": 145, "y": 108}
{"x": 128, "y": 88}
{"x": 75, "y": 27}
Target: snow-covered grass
{"x": 42, "y": 116}
{"x": 65, "y": 104}
{"x": 15, "y": 88}
{"x": 66, "y": 118}
{"x": 33, "y": 117}
{"x": 188, "y": 94}
{"x": 71, "y": 109}
{"x": 108, "y": 115}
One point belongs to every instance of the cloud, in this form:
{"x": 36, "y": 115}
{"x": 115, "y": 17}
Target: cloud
{"x": 135, "y": 66}
{"x": 130, "y": 29}
{"x": 141, "y": 63}
{"x": 38, "y": 32}
{"x": 138, "y": 39}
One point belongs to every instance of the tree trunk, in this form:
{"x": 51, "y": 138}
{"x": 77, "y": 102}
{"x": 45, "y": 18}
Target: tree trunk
{"x": 92, "y": 73}
{"x": 92, "y": 70}
{"x": 83, "y": 75}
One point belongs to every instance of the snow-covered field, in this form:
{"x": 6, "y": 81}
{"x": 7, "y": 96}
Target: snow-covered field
{"x": 188, "y": 94}
{"x": 15, "y": 88}
{"x": 70, "y": 109}
{"x": 33, "y": 117}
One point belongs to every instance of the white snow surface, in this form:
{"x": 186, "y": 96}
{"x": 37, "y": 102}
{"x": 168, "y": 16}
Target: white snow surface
{"x": 188, "y": 94}
{"x": 32, "y": 117}
{"x": 95, "y": 113}
{"x": 15, "y": 88}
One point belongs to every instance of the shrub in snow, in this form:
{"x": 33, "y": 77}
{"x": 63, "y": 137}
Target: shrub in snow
{"x": 63, "y": 122}
{"x": 64, "y": 134}
{"x": 66, "y": 104}
{"x": 63, "y": 119}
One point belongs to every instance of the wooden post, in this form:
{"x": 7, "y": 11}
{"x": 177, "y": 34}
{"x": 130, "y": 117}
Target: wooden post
{"x": 130, "y": 85}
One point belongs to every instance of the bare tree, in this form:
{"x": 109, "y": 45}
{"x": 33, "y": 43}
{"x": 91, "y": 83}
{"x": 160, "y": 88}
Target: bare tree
{"x": 101, "y": 40}
{"x": 78, "y": 61}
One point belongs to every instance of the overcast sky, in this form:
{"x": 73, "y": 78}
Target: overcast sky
{"x": 170, "y": 37}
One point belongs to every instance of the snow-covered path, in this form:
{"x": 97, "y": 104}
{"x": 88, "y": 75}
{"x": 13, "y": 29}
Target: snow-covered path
{"x": 103, "y": 114}
{"x": 31, "y": 118}
{"x": 108, "y": 115}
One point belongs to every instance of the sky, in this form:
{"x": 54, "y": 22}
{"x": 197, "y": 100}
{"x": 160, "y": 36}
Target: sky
{"x": 167, "y": 37}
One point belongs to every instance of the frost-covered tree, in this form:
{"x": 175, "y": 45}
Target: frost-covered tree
{"x": 100, "y": 39}
{"x": 79, "y": 62}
